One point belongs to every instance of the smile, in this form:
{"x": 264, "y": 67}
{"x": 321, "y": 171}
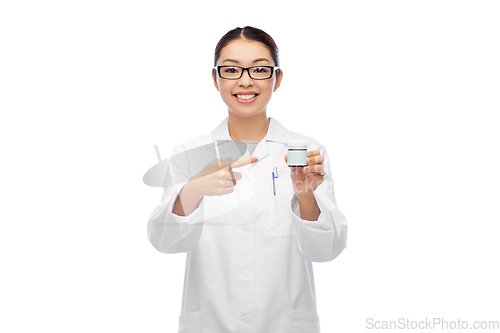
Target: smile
{"x": 245, "y": 98}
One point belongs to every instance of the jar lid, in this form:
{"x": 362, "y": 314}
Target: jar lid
{"x": 297, "y": 144}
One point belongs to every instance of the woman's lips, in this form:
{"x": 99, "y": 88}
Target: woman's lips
{"x": 246, "y": 101}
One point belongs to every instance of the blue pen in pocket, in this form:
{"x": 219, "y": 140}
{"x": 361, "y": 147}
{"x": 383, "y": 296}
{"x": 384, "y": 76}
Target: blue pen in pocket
{"x": 275, "y": 175}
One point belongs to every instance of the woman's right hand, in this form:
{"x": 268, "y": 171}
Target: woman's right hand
{"x": 210, "y": 181}
{"x": 216, "y": 181}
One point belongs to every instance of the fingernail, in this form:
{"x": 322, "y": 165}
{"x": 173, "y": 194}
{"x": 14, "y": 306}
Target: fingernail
{"x": 254, "y": 159}
{"x": 309, "y": 154}
{"x": 306, "y": 169}
{"x": 308, "y": 160}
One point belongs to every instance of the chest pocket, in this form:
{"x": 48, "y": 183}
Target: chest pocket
{"x": 279, "y": 212}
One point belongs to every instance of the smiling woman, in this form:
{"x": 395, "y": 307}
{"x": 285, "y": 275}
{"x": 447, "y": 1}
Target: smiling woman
{"x": 250, "y": 235}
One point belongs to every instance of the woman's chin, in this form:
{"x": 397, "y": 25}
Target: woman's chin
{"x": 247, "y": 113}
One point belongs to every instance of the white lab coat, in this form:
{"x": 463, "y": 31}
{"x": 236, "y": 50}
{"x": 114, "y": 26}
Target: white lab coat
{"x": 249, "y": 254}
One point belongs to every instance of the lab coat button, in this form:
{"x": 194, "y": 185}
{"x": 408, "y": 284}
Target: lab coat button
{"x": 246, "y": 273}
{"x": 246, "y": 228}
{"x": 247, "y": 319}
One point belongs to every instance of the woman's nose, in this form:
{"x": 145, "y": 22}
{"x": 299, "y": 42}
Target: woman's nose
{"x": 245, "y": 79}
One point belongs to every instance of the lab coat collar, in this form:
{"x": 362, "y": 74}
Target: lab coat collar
{"x": 275, "y": 133}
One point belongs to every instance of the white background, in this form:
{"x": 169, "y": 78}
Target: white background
{"x": 403, "y": 94}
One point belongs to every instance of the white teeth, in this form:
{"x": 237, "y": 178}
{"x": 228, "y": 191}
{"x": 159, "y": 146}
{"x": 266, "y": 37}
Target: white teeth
{"x": 245, "y": 96}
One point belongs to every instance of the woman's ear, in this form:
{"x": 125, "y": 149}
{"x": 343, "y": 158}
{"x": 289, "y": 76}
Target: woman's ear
{"x": 279, "y": 77}
{"x": 215, "y": 79}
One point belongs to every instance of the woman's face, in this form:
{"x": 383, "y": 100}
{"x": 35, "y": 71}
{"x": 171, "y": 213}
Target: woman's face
{"x": 246, "y": 53}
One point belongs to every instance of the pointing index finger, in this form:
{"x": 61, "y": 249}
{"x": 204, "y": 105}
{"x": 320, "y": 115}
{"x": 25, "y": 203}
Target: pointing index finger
{"x": 244, "y": 161}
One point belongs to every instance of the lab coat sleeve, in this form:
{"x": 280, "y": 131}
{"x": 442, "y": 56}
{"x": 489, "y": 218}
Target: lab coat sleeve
{"x": 322, "y": 240}
{"x": 168, "y": 232}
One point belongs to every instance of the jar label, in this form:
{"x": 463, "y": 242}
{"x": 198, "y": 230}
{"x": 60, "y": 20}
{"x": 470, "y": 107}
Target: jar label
{"x": 297, "y": 157}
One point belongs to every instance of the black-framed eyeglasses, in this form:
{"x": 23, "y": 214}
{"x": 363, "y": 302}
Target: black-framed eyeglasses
{"x": 255, "y": 72}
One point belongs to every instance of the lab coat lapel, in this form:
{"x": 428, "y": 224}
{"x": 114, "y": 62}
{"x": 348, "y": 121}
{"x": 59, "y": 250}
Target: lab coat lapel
{"x": 275, "y": 133}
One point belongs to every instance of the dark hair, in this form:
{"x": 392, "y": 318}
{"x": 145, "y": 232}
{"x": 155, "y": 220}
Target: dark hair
{"x": 249, "y": 33}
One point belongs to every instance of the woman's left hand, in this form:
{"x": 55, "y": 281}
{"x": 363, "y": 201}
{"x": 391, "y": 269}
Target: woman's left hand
{"x": 307, "y": 179}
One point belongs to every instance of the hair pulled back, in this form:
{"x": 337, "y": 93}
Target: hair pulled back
{"x": 249, "y": 33}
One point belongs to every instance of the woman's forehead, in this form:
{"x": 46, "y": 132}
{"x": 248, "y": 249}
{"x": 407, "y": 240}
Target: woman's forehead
{"x": 245, "y": 52}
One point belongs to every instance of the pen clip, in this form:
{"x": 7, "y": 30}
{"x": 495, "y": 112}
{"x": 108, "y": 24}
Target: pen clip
{"x": 275, "y": 175}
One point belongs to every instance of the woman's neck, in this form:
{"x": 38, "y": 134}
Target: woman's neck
{"x": 248, "y": 128}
